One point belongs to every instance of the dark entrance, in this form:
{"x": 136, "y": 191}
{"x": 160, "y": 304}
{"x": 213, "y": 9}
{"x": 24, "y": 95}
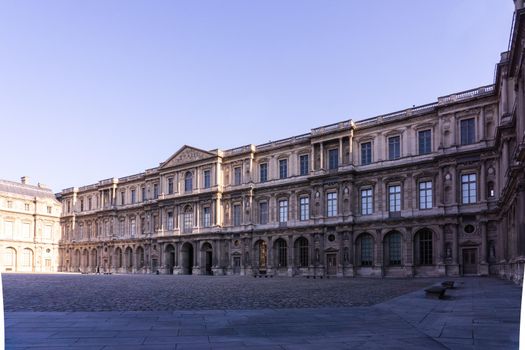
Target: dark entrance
{"x": 237, "y": 265}
{"x": 331, "y": 264}
{"x": 207, "y": 252}
{"x": 470, "y": 261}
{"x": 170, "y": 258}
{"x": 187, "y": 258}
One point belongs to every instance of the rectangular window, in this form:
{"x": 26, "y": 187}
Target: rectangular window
{"x": 89, "y": 203}
{"x": 143, "y": 194}
{"x": 263, "y": 172}
{"x": 170, "y": 221}
{"x": 425, "y": 195}
{"x": 10, "y": 204}
{"x": 26, "y": 206}
{"x": 237, "y": 176}
{"x": 283, "y": 169}
{"x": 468, "y": 133}
{"x": 26, "y": 230}
{"x": 331, "y": 204}
{"x": 206, "y": 217}
{"x": 394, "y": 198}
{"x": 425, "y": 141}
{"x": 47, "y": 231}
{"x": 366, "y": 201}
{"x": 68, "y": 206}
{"x": 170, "y": 185}
{"x": 122, "y": 198}
{"x": 8, "y": 229}
{"x": 263, "y": 213}
{"x": 207, "y": 179}
{"x": 49, "y": 209}
{"x": 304, "y": 208}
{"x": 366, "y": 153}
{"x": 333, "y": 159}
{"x": 394, "y": 147}
{"x": 133, "y": 197}
{"x": 283, "y": 211}
{"x": 133, "y": 227}
{"x": 81, "y": 205}
{"x": 468, "y": 188}
{"x": 304, "y": 164}
{"x": 236, "y": 215}
{"x": 155, "y": 191}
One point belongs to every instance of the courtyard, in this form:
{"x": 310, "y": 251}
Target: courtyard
{"x": 71, "y": 311}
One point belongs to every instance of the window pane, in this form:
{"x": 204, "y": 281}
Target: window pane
{"x": 283, "y": 169}
{"x": 303, "y": 163}
{"x": 333, "y": 159}
{"x": 263, "y": 172}
{"x": 394, "y": 147}
{"x": 366, "y": 153}
{"x": 425, "y": 145}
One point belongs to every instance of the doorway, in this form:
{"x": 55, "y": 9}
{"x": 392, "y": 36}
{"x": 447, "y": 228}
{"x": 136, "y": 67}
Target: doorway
{"x": 470, "y": 261}
{"x": 236, "y": 265}
{"x": 187, "y": 258}
{"x": 331, "y": 264}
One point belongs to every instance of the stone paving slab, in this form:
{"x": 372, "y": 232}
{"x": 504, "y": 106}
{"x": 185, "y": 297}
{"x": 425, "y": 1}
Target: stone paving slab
{"x": 482, "y": 313}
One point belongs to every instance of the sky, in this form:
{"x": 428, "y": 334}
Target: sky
{"x": 91, "y": 90}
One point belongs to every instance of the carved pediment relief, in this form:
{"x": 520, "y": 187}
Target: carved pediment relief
{"x": 184, "y": 155}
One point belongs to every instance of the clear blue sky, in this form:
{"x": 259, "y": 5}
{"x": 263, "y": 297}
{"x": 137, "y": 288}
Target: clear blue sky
{"x": 95, "y": 89}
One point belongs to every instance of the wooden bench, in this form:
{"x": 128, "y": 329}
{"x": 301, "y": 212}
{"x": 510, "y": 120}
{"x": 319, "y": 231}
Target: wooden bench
{"x": 435, "y": 292}
{"x": 447, "y": 284}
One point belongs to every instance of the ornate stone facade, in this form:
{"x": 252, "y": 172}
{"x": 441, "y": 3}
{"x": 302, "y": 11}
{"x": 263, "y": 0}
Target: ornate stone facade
{"x": 29, "y": 227}
{"x": 431, "y": 190}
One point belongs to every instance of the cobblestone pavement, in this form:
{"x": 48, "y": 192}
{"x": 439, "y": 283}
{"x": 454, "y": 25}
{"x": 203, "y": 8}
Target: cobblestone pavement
{"x": 74, "y": 292}
{"x": 481, "y": 313}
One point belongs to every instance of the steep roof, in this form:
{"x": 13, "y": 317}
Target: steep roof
{"x": 17, "y": 188}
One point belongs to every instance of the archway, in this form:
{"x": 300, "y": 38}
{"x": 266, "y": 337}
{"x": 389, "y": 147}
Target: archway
{"x": 187, "y": 258}
{"x": 10, "y": 259}
{"x": 207, "y": 256}
{"x": 118, "y": 258}
{"x": 94, "y": 261}
{"x": 140, "y": 258}
{"x": 128, "y": 253}
{"x": 170, "y": 258}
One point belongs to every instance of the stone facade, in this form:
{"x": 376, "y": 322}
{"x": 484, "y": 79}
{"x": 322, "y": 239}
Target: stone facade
{"x": 432, "y": 190}
{"x": 29, "y": 227}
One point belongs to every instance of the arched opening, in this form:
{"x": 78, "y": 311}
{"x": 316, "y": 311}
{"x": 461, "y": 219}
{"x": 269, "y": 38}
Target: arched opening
{"x": 187, "y": 258}
{"x": 423, "y": 247}
{"x": 118, "y": 258}
{"x": 301, "y": 252}
{"x": 77, "y": 260}
{"x": 365, "y": 250}
{"x": 207, "y": 252}
{"x": 170, "y": 258}
{"x": 262, "y": 255}
{"x": 187, "y": 219}
{"x": 10, "y": 259}
{"x": 85, "y": 260}
{"x": 140, "y": 257}
{"x": 128, "y": 253}
{"x": 392, "y": 248}
{"x": 281, "y": 256}
{"x": 27, "y": 260}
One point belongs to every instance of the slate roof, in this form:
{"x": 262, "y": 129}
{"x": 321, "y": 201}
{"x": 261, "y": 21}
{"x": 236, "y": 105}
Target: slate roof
{"x": 17, "y": 188}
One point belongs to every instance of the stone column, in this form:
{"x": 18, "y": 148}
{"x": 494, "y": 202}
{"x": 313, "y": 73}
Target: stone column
{"x": 290, "y": 256}
{"x": 482, "y": 183}
{"x": 481, "y": 124}
{"x": 340, "y": 160}
{"x": 321, "y": 155}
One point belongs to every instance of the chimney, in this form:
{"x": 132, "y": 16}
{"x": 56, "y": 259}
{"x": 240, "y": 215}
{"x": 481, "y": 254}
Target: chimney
{"x": 24, "y": 180}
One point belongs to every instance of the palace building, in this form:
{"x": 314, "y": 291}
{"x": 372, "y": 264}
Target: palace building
{"x": 433, "y": 190}
{"x": 29, "y": 227}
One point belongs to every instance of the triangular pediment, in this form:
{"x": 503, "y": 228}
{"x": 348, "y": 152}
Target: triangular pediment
{"x": 186, "y": 154}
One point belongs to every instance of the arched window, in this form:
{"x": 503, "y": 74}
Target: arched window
{"x": 118, "y": 257}
{"x": 187, "y": 222}
{"x": 282, "y": 252}
{"x": 365, "y": 249}
{"x": 301, "y": 252}
{"x": 423, "y": 247}
{"x": 140, "y": 257}
{"x": 392, "y": 248}
{"x": 129, "y": 257}
{"x": 188, "y": 182}
{"x": 10, "y": 259}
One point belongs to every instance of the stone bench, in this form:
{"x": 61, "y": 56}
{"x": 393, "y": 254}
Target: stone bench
{"x": 435, "y": 292}
{"x": 447, "y": 284}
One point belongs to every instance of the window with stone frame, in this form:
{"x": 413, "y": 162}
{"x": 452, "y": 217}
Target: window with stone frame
{"x": 394, "y": 198}
{"x": 468, "y": 188}
{"x": 425, "y": 141}
{"x": 155, "y": 191}
{"x": 122, "y": 198}
{"x": 282, "y": 253}
{"x": 187, "y": 220}
{"x": 283, "y": 211}
{"x": 236, "y": 215}
{"x": 263, "y": 213}
{"x": 394, "y": 147}
{"x": 206, "y": 217}
{"x": 188, "y": 182}
{"x": 367, "y": 201}
{"x": 423, "y": 245}
{"x": 283, "y": 168}
{"x": 207, "y": 178}
{"x": 366, "y": 153}
{"x": 365, "y": 250}
{"x": 133, "y": 197}
{"x": 425, "y": 194}
{"x": 170, "y": 221}
{"x": 393, "y": 248}
{"x": 333, "y": 159}
{"x": 304, "y": 208}
{"x": 304, "y": 166}
{"x": 468, "y": 131}
{"x": 237, "y": 176}
{"x": 302, "y": 252}
{"x": 331, "y": 204}
{"x": 170, "y": 185}
{"x": 263, "y": 172}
